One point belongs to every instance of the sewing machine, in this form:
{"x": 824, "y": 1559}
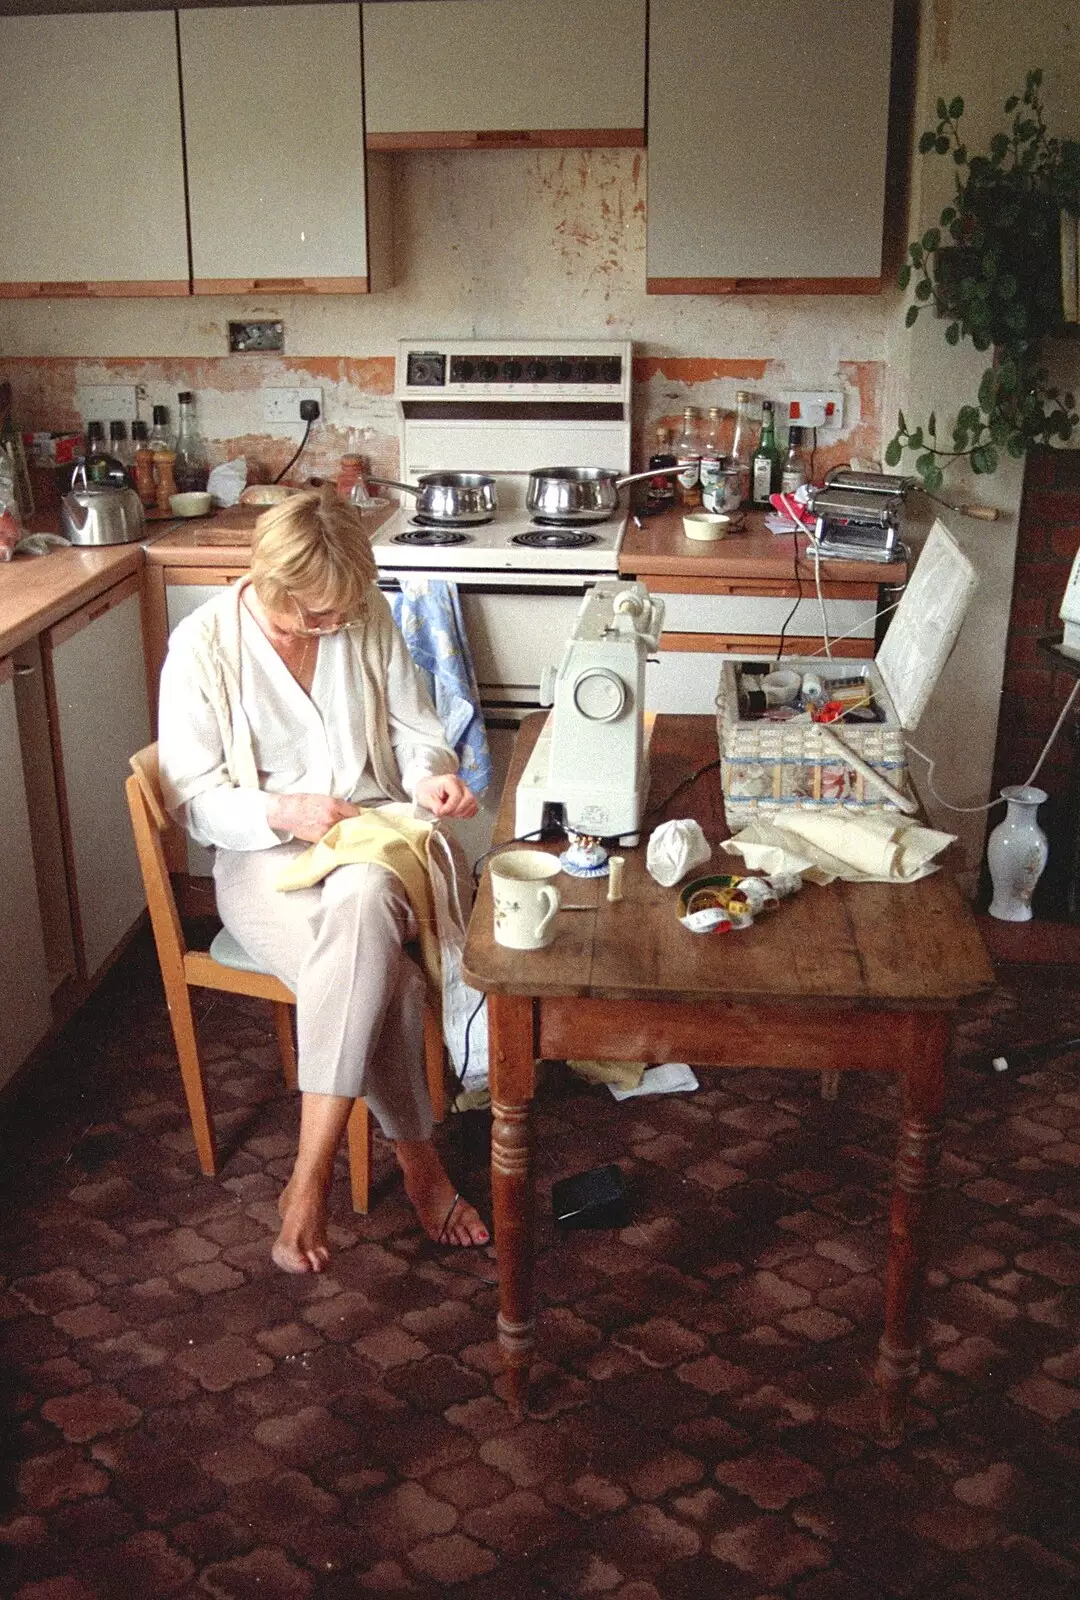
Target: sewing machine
{"x": 591, "y": 761}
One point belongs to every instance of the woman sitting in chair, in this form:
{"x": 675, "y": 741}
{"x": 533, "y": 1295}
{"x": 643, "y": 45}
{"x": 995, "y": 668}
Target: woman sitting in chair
{"x": 287, "y": 703}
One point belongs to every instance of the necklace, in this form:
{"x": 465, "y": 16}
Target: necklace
{"x": 282, "y": 640}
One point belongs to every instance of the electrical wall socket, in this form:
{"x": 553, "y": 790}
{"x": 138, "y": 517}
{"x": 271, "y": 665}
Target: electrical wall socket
{"x": 283, "y": 405}
{"x": 814, "y": 408}
{"x": 108, "y": 402}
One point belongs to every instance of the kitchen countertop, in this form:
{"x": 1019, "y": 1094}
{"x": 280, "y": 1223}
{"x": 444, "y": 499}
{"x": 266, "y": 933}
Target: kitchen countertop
{"x": 660, "y": 549}
{"x": 208, "y": 541}
{"x": 36, "y": 591}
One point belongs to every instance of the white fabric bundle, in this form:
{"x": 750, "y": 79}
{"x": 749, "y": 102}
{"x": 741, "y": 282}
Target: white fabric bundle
{"x": 869, "y": 847}
{"x": 674, "y": 848}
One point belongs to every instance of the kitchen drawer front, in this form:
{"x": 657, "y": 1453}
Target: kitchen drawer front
{"x": 434, "y": 69}
{"x": 766, "y": 614}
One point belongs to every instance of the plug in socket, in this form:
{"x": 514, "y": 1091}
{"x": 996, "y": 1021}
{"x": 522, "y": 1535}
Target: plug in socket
{"x": 283, "y": 405}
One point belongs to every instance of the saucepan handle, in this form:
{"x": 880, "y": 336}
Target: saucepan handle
{"x": 653, "y": 472}
{"x": 391, "y": 483}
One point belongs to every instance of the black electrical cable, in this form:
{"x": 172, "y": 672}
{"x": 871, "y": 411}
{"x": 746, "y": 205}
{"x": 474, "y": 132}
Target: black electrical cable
{"x": 459, "y": 1077}
{"x": 679, "y": 787}
{"x": 798, "y": 602}
{"x": 522, "y": 838}
{"x": 296, "y": 457}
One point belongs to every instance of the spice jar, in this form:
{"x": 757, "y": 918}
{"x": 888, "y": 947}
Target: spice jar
{"x": 164, "y": 481}
{"x": 145, "y": 483}
{"x": 349, "y": 475}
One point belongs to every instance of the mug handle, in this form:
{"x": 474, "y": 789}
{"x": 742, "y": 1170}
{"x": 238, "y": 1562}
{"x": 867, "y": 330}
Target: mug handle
{"x": 550, "y": 898}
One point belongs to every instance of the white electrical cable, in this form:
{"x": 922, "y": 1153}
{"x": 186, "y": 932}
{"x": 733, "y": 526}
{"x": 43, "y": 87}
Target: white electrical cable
{"x": 1034, "y": 771}
{"x": 821, "y": 602}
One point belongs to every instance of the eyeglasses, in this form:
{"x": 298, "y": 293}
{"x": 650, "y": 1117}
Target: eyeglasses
{"x": 311, "y": 628}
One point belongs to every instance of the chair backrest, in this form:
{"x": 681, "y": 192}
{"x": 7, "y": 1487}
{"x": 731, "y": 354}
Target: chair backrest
{"x": 150, "y": 822}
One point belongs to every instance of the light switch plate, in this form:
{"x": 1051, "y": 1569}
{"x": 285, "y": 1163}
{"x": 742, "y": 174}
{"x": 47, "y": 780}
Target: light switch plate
{"x": 814, "y": 408}
{"x": 107, "y": 402}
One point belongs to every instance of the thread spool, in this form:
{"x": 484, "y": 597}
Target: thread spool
{"x": 616, "y": 864}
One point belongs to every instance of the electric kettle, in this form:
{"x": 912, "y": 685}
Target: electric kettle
{"x": 101, "y": 513}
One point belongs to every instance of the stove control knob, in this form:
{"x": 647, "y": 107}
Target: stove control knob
{"x": 599, "y": 694}
{"x": 537, "y": 371}
{"x": 512, "y": 371}
{"x": 486, "y": 371}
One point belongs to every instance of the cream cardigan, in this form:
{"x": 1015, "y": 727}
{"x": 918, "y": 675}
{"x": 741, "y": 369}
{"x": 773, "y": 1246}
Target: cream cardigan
{"x": 206, "y": 741}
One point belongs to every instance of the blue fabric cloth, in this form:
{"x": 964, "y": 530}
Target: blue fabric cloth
{"x": 428, "y": 612}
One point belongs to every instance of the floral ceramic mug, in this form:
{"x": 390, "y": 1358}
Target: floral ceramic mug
{"x": 525, "y": 902}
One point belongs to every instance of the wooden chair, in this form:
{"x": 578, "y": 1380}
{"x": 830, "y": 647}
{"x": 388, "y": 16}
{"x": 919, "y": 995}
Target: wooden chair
{"x": 226, "y": 965}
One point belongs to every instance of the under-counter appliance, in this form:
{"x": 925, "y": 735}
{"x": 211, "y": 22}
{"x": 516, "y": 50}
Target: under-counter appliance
{"x": 507, "y": 408}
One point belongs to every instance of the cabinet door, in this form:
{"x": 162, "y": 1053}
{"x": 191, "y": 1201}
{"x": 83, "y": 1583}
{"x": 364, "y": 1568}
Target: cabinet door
{"x": 92, "y": 167}
{"x": 475, "y": 72}
{"x": 25, "y": 1013}
{"x": 767, "y": 143}
{"x": 274, "y": 120}
{"x": 100, "y": 718}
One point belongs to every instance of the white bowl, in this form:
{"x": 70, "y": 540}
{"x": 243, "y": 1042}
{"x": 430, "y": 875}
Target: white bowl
{"x": 707, "y": 524}
{"x": 196, "y": 503}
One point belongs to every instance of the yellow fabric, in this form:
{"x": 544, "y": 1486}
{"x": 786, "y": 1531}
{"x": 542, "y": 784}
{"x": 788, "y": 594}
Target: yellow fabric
{"x": 399, "y": 843}
{"x": 623, "y": 1074}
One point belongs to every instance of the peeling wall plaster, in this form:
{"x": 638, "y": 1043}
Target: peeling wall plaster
{"x": 535, "y": 244}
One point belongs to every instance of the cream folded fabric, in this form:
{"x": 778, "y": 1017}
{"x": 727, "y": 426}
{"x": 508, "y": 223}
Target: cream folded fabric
{"x": 867, "y": 847}
{"x": 391, "y": 838}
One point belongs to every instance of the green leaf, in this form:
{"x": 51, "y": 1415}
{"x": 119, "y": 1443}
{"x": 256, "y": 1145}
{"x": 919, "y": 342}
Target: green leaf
{"x": 932, "y": 476}
{"x": 931, "y": 425}
{"x": 923, "y": 289}
{"x": 912, "y": 314}
{"x": 927, "y": 143}
{"x": 952, "y": 333}
{"x": 931, "y": 239}
{"x": 915, "y": 440}
{"x": 959, "y": 155}
{"x": 1017, "y": 445}
{"x": 948, "y": 215}
{"x": 901, "y": 422}
{"x": 968, "y": 417}
{"x": 924, "y": 461}
{"x": 893, "y": 452}
{"x": 987, "y": 389}
{"x": 903, "y": 277}
{"x": 999, "y": 146}
{"x": 942, "y": 110}
{"x": 1012, "y": 102}
{"x": 941, "y": 144}
{"x": 956, "y": 107}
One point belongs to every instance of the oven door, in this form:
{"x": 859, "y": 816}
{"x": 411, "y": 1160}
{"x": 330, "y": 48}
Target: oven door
{"x": 516, "y": 625}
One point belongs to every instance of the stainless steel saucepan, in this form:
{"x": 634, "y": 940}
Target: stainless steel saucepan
{"x": 454, "y": 498}
{"x": 580, "y": 494}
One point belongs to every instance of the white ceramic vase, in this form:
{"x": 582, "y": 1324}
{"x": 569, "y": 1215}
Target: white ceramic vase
{"x": 1016, "y": 854}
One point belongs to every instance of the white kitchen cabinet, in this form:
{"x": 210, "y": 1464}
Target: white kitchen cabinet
{"x": 274, "y": 122}
{"x": 25, "y": 1012}
{"x": 91, "y": 171}
{"x": 96, "y": 672}
{"x": 498, "y": 73}
{"x": 767, "y": 145}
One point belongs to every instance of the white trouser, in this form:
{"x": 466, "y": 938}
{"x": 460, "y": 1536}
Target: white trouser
{"x": 359, "y": 995}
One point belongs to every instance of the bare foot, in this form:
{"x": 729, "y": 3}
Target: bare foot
{"x": 444, "y": 1216}
{"x": 301, "y": 1245}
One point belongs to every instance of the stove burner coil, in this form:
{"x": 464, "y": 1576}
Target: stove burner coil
{"x": 557, "y": 538}
{"x": 431, "y": 536}
{"x": 563, "y": 522}
{"x": 421, "y": 520}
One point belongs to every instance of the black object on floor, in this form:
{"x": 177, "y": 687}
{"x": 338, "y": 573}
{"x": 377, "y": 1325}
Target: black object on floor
{"x": 593, "y": 1199}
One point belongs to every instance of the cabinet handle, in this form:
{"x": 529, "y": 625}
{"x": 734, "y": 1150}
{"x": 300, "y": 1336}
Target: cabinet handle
{"x": 282, "y": 285}
{"x": 24, "y": 672}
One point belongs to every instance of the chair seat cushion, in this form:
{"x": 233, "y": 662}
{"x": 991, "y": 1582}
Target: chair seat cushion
{"x": 227, "y": 950}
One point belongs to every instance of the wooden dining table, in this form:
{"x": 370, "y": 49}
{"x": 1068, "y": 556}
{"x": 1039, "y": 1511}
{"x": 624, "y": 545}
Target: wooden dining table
{"x": 845, "y": 978}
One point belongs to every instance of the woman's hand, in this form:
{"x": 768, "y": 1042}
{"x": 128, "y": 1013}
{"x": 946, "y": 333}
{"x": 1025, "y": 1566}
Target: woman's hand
{"x": 307, "y": 816}
{"x": 444, "y": 795}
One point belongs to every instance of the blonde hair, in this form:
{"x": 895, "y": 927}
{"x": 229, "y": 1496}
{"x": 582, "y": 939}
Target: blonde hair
{"x": 313, "y": 546}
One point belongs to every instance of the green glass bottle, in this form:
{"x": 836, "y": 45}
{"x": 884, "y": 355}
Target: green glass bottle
{"x": 765, "y": 465}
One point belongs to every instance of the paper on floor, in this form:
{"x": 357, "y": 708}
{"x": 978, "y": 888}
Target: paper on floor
{"x": 673, "y": 1077}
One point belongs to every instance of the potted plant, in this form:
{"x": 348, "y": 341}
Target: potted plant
{"x": 992, "y": 270}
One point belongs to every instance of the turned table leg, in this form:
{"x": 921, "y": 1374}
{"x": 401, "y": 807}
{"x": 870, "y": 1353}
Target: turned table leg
{"x": 909, "y": 1220}
{"x": 512, "y": 1076}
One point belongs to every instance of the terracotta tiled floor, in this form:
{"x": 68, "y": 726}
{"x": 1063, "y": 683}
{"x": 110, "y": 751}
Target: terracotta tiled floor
{"x": 184, "y": 1421}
